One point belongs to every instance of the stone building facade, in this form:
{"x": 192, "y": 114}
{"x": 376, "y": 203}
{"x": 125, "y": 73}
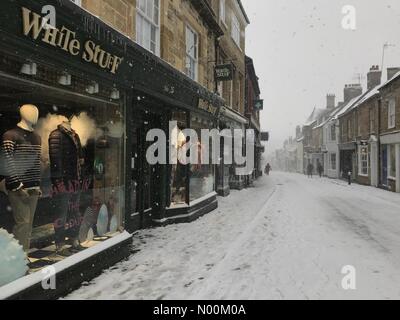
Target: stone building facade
{"x": 231, "y": 49}
{"x": 181, "y": 32}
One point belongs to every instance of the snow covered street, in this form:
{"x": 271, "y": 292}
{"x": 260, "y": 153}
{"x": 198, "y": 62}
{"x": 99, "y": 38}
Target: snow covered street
{"x": 287, "y": 238}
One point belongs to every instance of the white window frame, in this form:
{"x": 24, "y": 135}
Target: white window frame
{"x": 190, "y": 58}
{"x": 392, "y": 114}
{"x": 142, "y": 18}
{"x": 222, "y": 11}
{"x": 362, "y": 161}
{"x": 236, "y": 30}
{"x": 77, "y": 2}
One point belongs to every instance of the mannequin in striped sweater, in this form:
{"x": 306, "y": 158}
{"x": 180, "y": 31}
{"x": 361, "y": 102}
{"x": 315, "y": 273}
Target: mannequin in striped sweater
{"x": 21, "y": 149}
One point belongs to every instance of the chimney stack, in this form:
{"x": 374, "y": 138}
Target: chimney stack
{"x": 374, "y": 77}
{"x": 391, "y": 72}
{"x": 352, "y": 91}
{"x": 330, "y": 101}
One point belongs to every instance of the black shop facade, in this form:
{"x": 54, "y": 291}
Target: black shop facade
{"x": 77, "y": 100}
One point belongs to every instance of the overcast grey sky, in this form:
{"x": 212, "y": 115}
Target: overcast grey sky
{"x": 301, "y": 53}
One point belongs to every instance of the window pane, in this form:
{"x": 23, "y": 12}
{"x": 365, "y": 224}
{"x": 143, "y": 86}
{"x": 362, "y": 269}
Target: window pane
{"x": 82, "y": 183}
{"x": 392, "y": 160}
{"x": 149, "y": 9}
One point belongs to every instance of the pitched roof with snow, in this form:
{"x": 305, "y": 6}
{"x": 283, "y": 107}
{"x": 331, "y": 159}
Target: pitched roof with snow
{"x": 315, "y": 115}
{"x": 330, "y": 116}
{"x": 396, "y": 76}
{"x": 348, "y": 106}
{"x": 372, "y": 93}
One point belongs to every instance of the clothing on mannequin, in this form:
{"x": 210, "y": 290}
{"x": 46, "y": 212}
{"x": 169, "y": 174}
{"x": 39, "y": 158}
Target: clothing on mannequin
{"x": 66, "y": 156}
{"x": 21, "y": 149}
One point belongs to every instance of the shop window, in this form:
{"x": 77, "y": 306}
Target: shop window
{"x": 62, "y": 166}
{"x": 363, "y": 161}
{"x": 148, "y": 25}
{"x": 179, "y": 171}
{"x": 392, "y": 161}
{"x": 192, "y": 47}
{"x": 201, "y": 175}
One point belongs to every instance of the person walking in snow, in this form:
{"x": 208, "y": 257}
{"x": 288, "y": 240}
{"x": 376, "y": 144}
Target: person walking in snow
{"x": 310, "y": 169}
{"x": 268, "y": 169}
{"x": 320, "y": 169}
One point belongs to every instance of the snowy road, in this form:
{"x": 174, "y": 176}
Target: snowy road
{"x": 287, "y": 238}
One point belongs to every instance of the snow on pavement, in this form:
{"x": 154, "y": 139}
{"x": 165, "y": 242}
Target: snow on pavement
{"x": 287, "y": 238}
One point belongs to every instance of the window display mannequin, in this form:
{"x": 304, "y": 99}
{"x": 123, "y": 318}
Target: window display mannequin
{"x": 22, "y": 154}
{"x": 66, "y": 159}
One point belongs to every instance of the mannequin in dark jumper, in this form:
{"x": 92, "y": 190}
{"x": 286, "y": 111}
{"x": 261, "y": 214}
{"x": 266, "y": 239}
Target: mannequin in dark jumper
{"x": 66, "y": 158}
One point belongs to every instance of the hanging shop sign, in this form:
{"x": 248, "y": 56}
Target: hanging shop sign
{"x": 36, "y": 27}
{"x": 224, "y": 72}
{"x": 207, "y": 106}
{"x": 259, "y": 105}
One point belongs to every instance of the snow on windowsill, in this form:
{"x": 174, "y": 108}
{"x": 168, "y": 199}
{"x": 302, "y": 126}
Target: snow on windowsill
{"x": 26, "y": 282}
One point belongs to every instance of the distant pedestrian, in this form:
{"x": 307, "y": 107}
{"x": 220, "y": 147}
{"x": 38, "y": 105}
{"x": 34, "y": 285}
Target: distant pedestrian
{"x": 268, "y": 169}
{"x": 310, "y": 170}
{"x": 320, "y": 169}
{"x": 349, "y": 176}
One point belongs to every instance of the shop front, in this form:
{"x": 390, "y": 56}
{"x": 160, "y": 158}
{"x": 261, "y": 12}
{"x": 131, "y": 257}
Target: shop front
{"x": 348, "y": 160}
{"x": 174, "y": 192}
{"x": 165, "y": 99}
{"x": 227, "y": 179}
{"x": 390, "y": 161}
{"x": 63, "y": 158}
{"x": 78, "y": 102}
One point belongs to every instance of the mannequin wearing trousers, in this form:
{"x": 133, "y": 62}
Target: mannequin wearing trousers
{"x": 22, "y": 157}
{"x": 65, "y": 152}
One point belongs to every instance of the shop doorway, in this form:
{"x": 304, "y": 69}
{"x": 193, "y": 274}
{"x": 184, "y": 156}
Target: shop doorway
{"x": 144, "y": 192}
{"x": 346, "y": 163}
{"x": 384, "y": 173}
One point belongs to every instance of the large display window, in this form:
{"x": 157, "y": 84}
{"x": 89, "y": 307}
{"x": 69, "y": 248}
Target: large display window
{"x": 179, "y": 171}
{"x": 202, "y": 174}
{"x": 190, "y": 182}
{"x": 61, "y": 167}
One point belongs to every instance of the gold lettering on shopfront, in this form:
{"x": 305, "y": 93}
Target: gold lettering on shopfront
{"x": 66, "y": 40}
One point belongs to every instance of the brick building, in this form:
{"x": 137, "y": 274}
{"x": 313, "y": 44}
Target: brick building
{"x": 252, "y": 112}
{"x": 389, "y": 121}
